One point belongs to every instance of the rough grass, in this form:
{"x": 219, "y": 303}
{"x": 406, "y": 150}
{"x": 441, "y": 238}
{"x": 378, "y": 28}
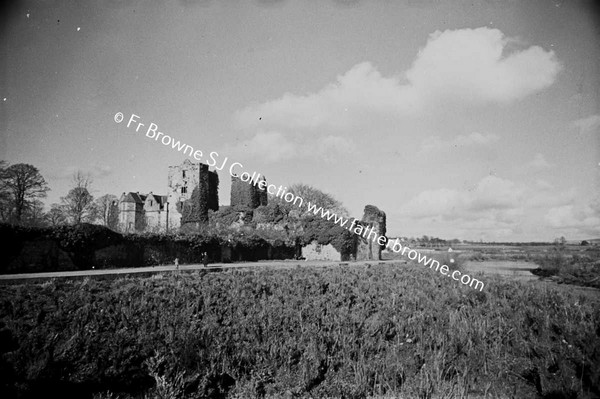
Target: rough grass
{"x": 381, "y": 331}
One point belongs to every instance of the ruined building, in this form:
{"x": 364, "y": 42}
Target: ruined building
{"x": 191, "y": 191}
{"x": 247, "y": 195}
{"x": 368, "y": 249}
{"x": 365, "y": 247}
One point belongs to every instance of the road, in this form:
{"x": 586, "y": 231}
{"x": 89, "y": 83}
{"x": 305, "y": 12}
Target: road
{"x": 507, "y": 269}
{"x": 182, "y": 268}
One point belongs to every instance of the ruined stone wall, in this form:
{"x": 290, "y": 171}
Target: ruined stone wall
{"x": 213, "y": 191}
{"x": 244, "y": 194}
{"x": 195, "y": 210}
{"x": 369, "y": 249}
{"x": 193, "y": 190}
{"x": 181, "y": 182}
{"x": 263, "y": 199}
{"x": 316, "y": 251}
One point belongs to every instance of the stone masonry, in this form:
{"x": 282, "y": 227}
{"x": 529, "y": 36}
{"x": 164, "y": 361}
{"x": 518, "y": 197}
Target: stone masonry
{"x": 370, "y": 249}
{"x": 247, "y": 195}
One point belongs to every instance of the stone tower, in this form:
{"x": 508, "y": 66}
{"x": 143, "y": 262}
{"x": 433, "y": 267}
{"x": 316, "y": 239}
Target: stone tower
{"x": 187, "y": 179}
{"x": 247, "y": 194}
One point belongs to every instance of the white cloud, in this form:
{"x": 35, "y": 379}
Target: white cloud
{"x": 587, "y": 125}
{"x": 476, "y": 139}
{"x": 543, "y": 184}
{"x": 494, "y": 193}
{"x": 331, "y": 146}
{"x": 436, "y": 144}
{"x": 490, "y": 194}
{"x": 538, "y": 163}
{"x": 269, "y": 146}
{"x": 581, "y": 218}
{"x": 544, "y": 195}
{"x": 272, "y": 146}
{"x": 468, "y": 64}
{"x": 464, "y": 66}
{"x": 498, "y": 207}
{"x": 494, "y": 207}
{"x": 362, "y": 87}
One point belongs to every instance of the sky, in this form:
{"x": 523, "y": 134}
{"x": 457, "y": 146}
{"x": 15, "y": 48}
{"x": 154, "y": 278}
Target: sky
{"x": 459, "y": 119}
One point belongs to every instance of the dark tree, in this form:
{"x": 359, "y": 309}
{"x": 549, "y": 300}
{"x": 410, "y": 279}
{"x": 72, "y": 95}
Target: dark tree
{"x": 34, "y": 216}
{"x": 56, "y": 215}
{"x": 20, "y": 186}
{"x": 78, "y": 205}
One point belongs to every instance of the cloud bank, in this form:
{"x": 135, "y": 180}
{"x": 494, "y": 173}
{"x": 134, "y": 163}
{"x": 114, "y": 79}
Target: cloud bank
{"x": 468, "y": 67}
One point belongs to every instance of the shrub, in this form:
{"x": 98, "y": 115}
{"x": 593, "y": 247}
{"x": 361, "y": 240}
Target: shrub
{"x": 579, "y": 270}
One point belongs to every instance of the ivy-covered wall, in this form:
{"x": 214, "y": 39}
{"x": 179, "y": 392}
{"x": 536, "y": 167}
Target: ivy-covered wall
{"x": 369, "y": 248}
{"x": 195, "y": 209}
{"x": 213, "y": 191}
{"x": 326, "y": 232}
{"x": 263, "y": 198}
{"x": 52, "y": 249}
{"x": 87, "y": 246}
{"x": 245, "y": 194}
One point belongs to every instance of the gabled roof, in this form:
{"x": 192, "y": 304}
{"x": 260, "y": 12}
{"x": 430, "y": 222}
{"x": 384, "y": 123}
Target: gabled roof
{"x": 160, "y": 199}
{"x": 134, "y": 197}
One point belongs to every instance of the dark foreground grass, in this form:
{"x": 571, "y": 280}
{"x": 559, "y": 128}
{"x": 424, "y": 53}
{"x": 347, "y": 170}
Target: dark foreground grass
{"x": 340, "y": 332}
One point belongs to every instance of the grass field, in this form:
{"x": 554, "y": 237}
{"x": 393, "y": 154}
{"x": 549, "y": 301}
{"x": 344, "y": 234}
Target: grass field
{"x": 351, "y": 332}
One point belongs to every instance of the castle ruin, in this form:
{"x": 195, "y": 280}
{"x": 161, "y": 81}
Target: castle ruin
{"x": 248, "y": 194}
{"x": 367, "y": 249}
{"x": 191, "y": 191}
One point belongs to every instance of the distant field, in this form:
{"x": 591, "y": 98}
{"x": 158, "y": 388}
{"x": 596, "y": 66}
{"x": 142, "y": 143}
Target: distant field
{"x": 511, "y": 252}
{"x": 387, "y": 330}
{"x": 570, "y": 264}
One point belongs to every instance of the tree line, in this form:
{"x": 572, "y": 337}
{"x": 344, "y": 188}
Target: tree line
{"x": 22, "y": 188}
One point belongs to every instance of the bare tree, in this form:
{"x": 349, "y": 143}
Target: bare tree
{"x": 20, "y": 186}
{"x": 34, "y": 215}
{"x": 108, "y": 210}
{"x": 56, "y": 215}
{"x": 78, "y": 205}
{"x": 6, "y": 207}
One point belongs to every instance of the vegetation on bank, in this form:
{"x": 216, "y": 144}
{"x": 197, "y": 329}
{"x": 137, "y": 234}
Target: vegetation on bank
{"x": 562, "y": 267}
{"x": 85, "y": 246}
{"x": 340, "y": 332}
